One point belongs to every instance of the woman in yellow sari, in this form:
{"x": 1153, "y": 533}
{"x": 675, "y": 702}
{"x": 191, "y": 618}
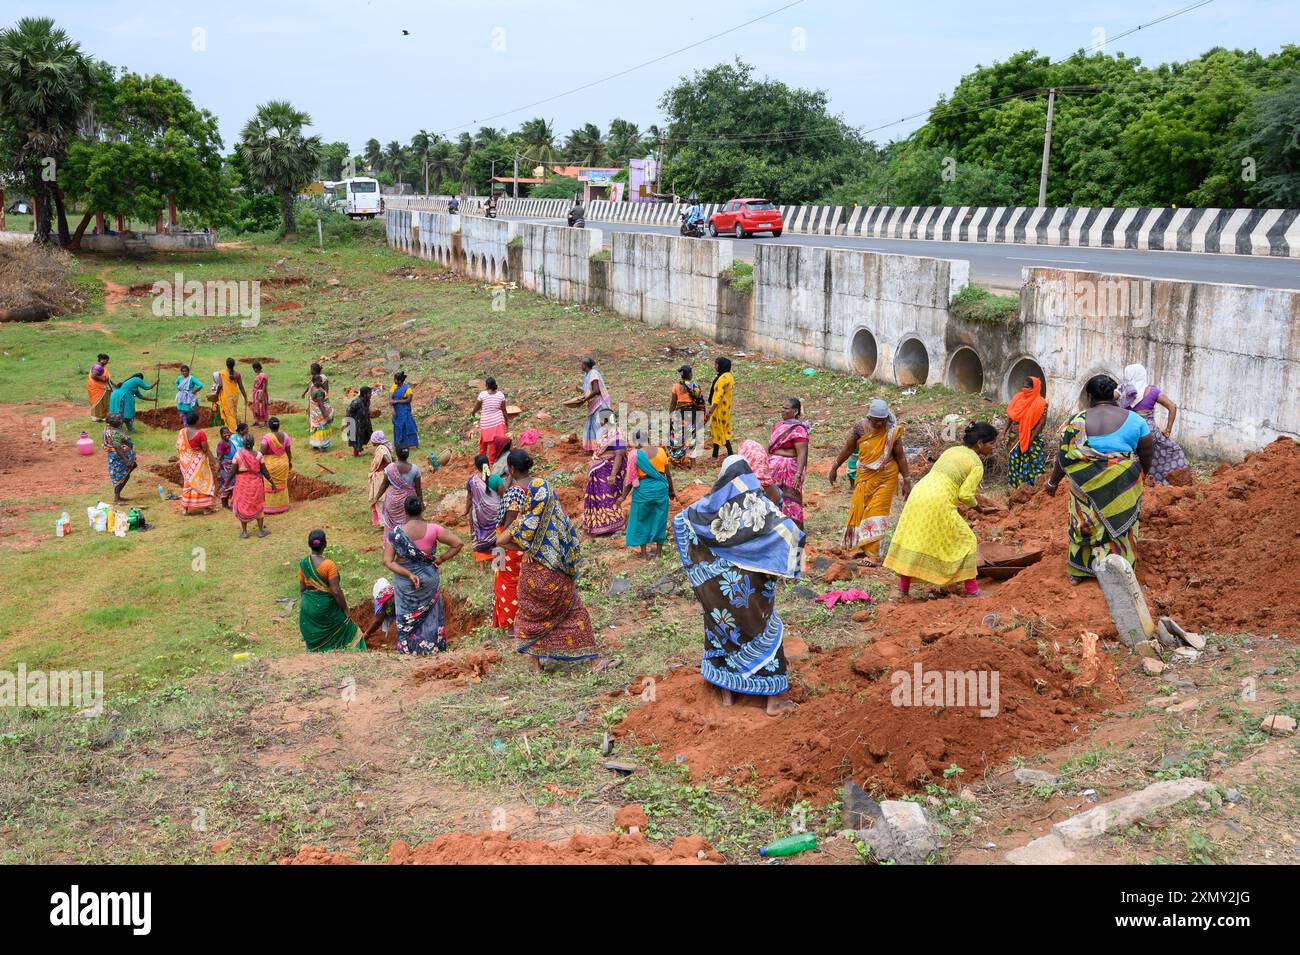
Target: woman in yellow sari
{"x": 933, "y": 541}
{"x": 229, "y": 387}
{"x": 876, "y": 439}
{"x": 719, "y": 415}
{"x": 277, "y": 454}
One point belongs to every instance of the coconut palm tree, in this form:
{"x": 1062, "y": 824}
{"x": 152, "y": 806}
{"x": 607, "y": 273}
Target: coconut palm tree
{"x": 373, "y": 155}
{"x": 45, "y": 81}
{"x": 442, "y": 163}
{"x": 538, "y": 135}
{"x": 280, "y": 157}
{"x": 395, "y": 159}
{"x": 585, "y": 146}
{"x": 624, "y": 141}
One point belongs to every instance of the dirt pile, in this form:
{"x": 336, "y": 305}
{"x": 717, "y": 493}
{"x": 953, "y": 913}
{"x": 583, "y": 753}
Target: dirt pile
{"x": 855, "y": 721}
{"x": 500, "y": 848}
{"x": 36, "y": 282}
{"x": 1218, "y": 555}
{"x": 465, "y": 669}
{"x": 170, "y": 418}
{"x": 301, "y": 487}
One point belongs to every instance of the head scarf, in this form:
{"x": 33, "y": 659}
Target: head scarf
{"x": 1134, "y": 386}
{"x": 756, "y": 456}
{"x": 738, "y": 522}
{"x": 879, "y": 408}
{"x": 1026, "y": 410}
{"x": 377, "y": 438}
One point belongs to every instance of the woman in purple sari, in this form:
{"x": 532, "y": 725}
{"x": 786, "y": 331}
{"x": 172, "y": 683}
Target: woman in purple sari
{"x": 602, "y": 513}
{"x": 482, "y": 506}
{"x": 1137, "y": 395}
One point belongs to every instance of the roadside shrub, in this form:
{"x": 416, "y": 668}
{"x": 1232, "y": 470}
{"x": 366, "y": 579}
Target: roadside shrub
{"x": 974, "y": 303}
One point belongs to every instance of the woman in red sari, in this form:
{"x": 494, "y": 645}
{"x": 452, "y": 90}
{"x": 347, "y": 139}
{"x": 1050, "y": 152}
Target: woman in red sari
{"x": 249, "y": 500}
{"x": 198, "y": 469}
{"x": 261, "y": 401}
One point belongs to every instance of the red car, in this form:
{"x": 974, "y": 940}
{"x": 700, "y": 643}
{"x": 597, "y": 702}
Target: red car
{"x": 742, "y": 217}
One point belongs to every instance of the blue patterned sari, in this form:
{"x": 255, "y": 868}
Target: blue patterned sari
{"x": 734, "y": 543}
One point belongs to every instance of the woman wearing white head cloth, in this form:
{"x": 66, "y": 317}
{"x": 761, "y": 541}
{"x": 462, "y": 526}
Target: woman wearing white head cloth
{"x": 881, "y": 466}
{"x": 383, "y": 457}
{"x": 1138, "y": 395}
{"x": 385, "y": 609}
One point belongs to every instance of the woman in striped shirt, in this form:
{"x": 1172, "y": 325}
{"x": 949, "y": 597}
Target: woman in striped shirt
{"x": 492, "y": 426}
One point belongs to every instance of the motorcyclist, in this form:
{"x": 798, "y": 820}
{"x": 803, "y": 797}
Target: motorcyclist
{"x": 695, "y": 213}
{"x": 579, "y": 212}
{"x": 453, "y": 205}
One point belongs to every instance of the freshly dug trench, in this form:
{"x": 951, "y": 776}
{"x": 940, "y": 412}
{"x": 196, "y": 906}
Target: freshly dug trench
{"x": 301, "y": 487}
{"x": 171, "y": 418}
{"x": 460, "y": 619}
{"x": 265, "y": 360}
{"x": 502, "y": 848}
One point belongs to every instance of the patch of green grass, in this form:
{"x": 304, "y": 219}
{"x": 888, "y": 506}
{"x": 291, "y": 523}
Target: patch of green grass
{"x": 974, "y": 303}
{"x": 741, "y": 276}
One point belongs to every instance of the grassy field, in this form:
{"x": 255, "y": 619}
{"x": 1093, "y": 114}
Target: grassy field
{"x": 200, "y": 757}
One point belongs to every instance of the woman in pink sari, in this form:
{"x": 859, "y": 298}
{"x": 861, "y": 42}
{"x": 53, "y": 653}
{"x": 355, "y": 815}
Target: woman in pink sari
{"x": 261, "y": 401}
{"x": 787, "y": 458}
{"x": 249, "y": 500}
{"x": 401, "y": 480}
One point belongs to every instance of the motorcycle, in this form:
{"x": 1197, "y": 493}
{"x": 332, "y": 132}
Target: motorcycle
{"x": 693, "y": 230}
{"x": 490, "y": 212}
{"x": 577, "y": 220}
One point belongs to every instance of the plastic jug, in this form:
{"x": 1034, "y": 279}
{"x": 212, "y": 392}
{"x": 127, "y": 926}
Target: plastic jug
{"x": 85, "y": 444}
{"x": 121, "y": 523}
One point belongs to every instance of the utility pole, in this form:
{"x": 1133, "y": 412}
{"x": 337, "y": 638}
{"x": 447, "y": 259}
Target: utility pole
{"x": 1047, "y": 148}
{"x": 516, "y": 189}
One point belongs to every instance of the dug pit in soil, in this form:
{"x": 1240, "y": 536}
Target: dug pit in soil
{"x": 301, "y": 487}
{"x": 460, "y": 620}
{"x": 171, "y": 417}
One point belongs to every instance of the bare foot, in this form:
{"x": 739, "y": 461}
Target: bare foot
{"x": 606, "y": 663}
{"x": 777, "y": 705}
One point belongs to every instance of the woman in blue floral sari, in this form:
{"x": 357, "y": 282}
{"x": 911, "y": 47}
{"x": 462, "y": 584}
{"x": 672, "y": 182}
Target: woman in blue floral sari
{"x": 734, "y": 544}
{"x": 410, "y": 552}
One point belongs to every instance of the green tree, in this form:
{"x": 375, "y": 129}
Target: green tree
{"x": 374, "y": 155}
{"x": 624, "y": 141}
{"x": 731, "y": 134}
{"x": 585, "y": 146}
{"x": 1274, "y": 145}
{"x": 537, "y": 136}
{"x": 45, "y": 82}
{"x": 334, "y": 160}
{"x": 279, "y": 155}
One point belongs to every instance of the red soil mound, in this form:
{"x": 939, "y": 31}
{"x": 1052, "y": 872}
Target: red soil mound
{"x": 468, "y": 668}
{"x": 500, "y": 848}
{"x": 301, "y": 487}
{"x": 1219, "y": 555}
{"x": 170, "y": 418}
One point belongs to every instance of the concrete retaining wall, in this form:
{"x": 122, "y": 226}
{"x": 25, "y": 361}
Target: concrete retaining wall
{"x": 555, "y": 261}
{"x": 150, "y": 242}
{"x": 1228, "y": 355}
{"x": 485, "y": 243}
{"x": 668, "y": 280}
{"x": 869, "y": 313}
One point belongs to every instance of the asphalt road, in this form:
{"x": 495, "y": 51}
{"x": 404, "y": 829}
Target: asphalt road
{"x": 999, "y": 265}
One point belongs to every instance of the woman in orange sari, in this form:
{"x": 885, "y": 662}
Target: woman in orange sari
{"x": 881, "y": 465}
{"x": 98, "y": 388}
{"x": 277, "y": 456}
{"x": 1026, "y": 415}
{"x": 198, "y": 469}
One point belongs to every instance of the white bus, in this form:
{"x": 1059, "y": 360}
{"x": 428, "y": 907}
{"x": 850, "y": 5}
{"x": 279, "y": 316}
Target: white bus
{"x": 357, "y": 198}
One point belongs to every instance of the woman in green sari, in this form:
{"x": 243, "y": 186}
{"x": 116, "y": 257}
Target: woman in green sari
{"x": 323, "y": 610}
{"x": 649, "y": 480}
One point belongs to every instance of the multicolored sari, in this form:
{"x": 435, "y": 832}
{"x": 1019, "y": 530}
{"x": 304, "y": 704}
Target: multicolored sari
{"x": 484, "y": 506}
{"x": 591, "y": 434}
{"x": 321, "y": 621}
{"x": 683, "y": 421}
{"x": 421, "y": 617}
{"x": 380, "y": 460}
{"x": 119, "y": 465}
{"x": 276, "y": 459}
{"x": 187, "y": 393}
{"x": 1166, "y": 455}
{"x": 1025, "y": 460}
{"x": 551, "y": 619}
{"x": 786, "y": 472}
{"x": 260, "y": 403}
{"x": 602, "y": 514}
{"x": 226, "y": 468}
{"x": 874, "y": 488}
{"x": 734, "y": 544}
{"x": 1105, "y": 499}
{"x": 198, "y": 485}
{"x": 249, "y": 500}
{"x": 405, "y": 434}
{"x": 648, "y": 519}
{"x": 320, "y": 420}
{"x": 400, "y": 487}
{"x": 505, "y": 587}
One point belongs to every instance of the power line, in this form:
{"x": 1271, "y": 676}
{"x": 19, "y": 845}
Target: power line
{"x": 630, "y": 69}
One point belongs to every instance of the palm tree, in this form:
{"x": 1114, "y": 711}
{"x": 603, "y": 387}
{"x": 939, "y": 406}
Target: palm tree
{"x": 538, "y": 135}
{"x": 280, "y": 157}
{"x": 45, "y": 80}
{"x": 442, "y": 163}
{"x": 487, "y": 135}
{"x": 585, "y": 147}
{"x": 395, "y": 159}
{"x": 373, "y": 155}
{"x": 625, "y": 141}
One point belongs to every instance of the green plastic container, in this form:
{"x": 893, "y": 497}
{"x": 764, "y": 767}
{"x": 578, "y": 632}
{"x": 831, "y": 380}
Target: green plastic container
{"x": 790, "y": 845}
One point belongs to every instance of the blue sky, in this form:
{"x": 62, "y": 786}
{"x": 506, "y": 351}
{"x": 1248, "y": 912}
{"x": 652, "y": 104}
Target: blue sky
{"x": 346, "y": 63}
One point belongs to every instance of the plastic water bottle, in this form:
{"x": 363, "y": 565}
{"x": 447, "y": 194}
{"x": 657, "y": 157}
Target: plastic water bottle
{"x": 162, "y": 493}
{"x": 790, "y": 845}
